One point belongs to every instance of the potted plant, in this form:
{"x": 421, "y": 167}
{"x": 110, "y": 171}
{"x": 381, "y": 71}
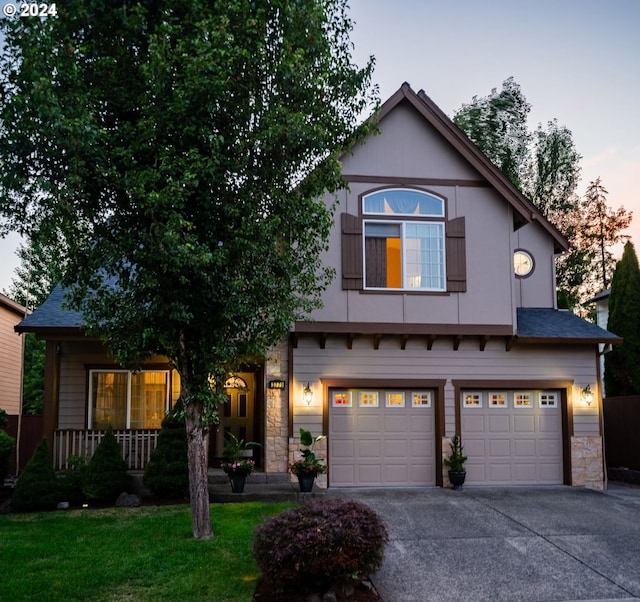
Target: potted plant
{"x": 237, "y": 463}
{"x": 308, "y": 467}
{"x": 455, "y": 463}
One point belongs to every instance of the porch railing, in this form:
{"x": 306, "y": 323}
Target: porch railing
{"x": 136, "y": 445}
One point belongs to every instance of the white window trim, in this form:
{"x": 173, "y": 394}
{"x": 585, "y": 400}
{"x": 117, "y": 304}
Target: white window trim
{"x": 403, "y": 254}
{"x": 129, "y": 374}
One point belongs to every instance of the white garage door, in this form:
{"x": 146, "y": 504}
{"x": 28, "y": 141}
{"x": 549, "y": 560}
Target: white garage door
{"x": 512, "y": 437}
{"x": 381, "y": 438}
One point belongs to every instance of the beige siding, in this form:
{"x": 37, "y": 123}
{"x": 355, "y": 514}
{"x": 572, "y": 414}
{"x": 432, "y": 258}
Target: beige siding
{"x": 10, "y": 361}
{"x": 442, "y": 362}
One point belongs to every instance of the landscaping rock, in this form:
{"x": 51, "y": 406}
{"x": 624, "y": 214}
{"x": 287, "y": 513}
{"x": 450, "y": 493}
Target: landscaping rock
{"x": 127, "y": 500}
{"x": 63, "y": 506}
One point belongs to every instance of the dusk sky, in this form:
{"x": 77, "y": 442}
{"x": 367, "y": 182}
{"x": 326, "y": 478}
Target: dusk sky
{"x": 575, "y": 60}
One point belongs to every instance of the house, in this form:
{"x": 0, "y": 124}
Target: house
{"x": 10, "y": 356}
{"x": 442, "y": 319}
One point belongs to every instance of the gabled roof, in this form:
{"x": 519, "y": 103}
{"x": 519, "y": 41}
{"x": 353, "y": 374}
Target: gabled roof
{"x": 524, "y": 211}
{"x": 11, "y": 305}
{"x": 559, "y": 326}
{"x": 52, "y": 317}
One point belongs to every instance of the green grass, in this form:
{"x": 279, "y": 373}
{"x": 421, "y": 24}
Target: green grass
{"x": 133, "y": 554}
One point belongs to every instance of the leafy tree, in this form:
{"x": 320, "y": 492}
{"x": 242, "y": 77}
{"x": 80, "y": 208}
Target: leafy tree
{"x": 497, "y": 124}
{"x": 180, "y": 150}
{"x": 622, "y": 364}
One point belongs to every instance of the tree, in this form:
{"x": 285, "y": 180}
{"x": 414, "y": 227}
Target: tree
{"x": 497, "y": 124}
{"x": 181, "y": 150}
{"x": 602, "y": 229}
{"x": 622, "y": 364}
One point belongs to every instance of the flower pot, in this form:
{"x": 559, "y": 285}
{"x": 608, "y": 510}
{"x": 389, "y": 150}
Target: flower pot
{"x": 457, "y": 479}
{"x": 237, "y": 484}
{"x": 306, "y": 482}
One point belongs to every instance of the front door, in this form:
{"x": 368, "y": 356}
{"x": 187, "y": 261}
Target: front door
{"x": 236, "y": 415}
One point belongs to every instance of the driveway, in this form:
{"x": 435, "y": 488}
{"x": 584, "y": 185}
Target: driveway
{"x": 525, "y": 544}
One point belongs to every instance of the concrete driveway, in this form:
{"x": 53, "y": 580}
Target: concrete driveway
{"x": 526, "y": 544}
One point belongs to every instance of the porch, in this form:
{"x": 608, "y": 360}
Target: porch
{"x": 136, "y": 445}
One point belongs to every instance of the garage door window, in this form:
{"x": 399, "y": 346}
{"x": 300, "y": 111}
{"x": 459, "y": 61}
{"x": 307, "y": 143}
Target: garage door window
{"x": 548, "y": 400}
{"x": 421, "y": 399}
{"x": 523, "y": 399}
{"x": 498, "y": 400}
{"x": 395, "y": 400}
{"x": 341, "y": 399}
{"x": 368, "y": 399}
{"x": 472, "y": 400}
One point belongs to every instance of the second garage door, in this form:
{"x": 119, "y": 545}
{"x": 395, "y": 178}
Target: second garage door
{"x": 512, "y": 437}
{"x": 381, "y": 438}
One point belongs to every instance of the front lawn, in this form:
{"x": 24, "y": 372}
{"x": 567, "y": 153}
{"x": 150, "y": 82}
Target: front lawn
{"x": 145, "y": 553}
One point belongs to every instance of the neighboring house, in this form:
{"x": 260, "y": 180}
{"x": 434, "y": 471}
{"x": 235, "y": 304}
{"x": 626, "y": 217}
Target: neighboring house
{"x": 442, "y": 320}
{"x": 10, "y": 356}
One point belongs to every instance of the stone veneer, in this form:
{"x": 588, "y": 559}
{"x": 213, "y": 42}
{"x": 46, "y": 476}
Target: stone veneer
{"x": 277, "y": 411}
{"x": 586, "y": 462}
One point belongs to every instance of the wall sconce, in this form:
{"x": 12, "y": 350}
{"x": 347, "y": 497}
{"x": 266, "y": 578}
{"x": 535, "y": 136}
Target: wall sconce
{"x": 307, "y": 395}
{"x": 587, "y": 395}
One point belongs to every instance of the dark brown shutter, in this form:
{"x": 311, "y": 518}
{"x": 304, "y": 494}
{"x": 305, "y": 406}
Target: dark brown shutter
{"x": 456, "y": 256}
{"x": 351, "y": 252}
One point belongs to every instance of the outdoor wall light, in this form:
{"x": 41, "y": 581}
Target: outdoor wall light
{"x": 307, "y": 395}
{"x": 587, "y": 395}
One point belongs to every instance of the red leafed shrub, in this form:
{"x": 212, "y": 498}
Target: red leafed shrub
{"x": 320, "y": 543}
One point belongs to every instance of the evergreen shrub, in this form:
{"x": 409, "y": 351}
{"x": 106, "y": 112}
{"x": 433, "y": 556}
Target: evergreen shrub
{"x": 319, "y": 544}
{"x": 167, "y": 472}
{"x": 106, "y": 476}
{"x": 37, "y": 487}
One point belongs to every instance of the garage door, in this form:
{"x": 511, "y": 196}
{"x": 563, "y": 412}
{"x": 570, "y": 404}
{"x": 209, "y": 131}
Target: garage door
{"x": 381, "y": 438}
{"x": 512, "y": 437}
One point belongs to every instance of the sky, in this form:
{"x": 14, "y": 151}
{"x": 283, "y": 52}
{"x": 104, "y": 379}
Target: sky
{"x": 575, "y": 60}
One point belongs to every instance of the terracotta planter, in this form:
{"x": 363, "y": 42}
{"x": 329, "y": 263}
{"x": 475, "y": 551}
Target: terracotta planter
{"x": 237, "y": 484}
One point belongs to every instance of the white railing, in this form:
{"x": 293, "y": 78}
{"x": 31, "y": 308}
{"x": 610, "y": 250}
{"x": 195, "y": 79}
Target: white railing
{"x": 136, "y": 445}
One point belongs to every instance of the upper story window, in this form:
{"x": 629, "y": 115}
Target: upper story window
{"x": 409, "y": 253}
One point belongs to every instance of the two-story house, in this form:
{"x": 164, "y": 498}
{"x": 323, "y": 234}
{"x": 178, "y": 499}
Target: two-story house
{"x": 442, "y": 319}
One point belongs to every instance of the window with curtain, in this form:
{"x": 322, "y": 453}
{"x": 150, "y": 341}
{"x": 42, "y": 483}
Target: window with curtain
{"x": 406, "y": 254}
{"x": 126, "y": 400}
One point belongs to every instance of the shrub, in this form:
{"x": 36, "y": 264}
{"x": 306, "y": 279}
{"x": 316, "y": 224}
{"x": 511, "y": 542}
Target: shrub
{"x": 319, "y": 544}
{"x": 71, "y": 480}
{"x": 37, "y": 487}
{"x": 6, "y": 447}
{"x": 106, "y": 476}
{"x": 4, "y": 419}
{"x": 167, "y": 473}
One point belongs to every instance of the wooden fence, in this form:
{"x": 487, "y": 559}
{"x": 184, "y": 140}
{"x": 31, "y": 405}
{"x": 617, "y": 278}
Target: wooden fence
{"x": 136, "y": 445}
{"x": 622, "y": 431}
{"x": 31, "y": 432}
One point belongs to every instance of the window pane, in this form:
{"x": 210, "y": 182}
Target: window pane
{"x": 109, "y": 400}
{"x": 148, "y": 399}
{"x": 383, "y": 255}
{"x": 424, "y": 248}
{"x": 402, "y": 201}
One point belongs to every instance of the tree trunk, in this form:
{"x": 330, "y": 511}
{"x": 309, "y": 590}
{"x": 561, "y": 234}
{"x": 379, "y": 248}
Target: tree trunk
{"x": 198, "y": 482}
